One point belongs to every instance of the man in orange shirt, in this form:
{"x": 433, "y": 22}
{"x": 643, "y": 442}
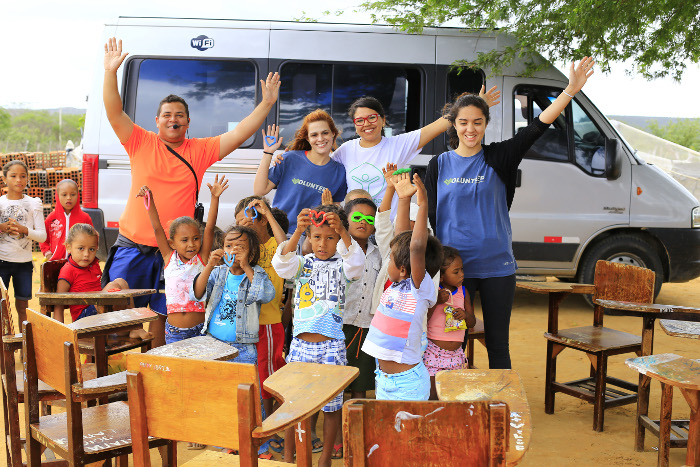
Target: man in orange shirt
{"x": 135, "y": 255}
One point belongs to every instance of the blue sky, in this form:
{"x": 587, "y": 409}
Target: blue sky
{"x": 48, "y": 51}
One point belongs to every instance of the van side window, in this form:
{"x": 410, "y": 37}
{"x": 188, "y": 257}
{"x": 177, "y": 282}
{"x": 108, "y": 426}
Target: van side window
{"x": 333, "y": 87}
{"x": 528, "y": 103}
{"x": 589, "y": 142}
{"x": 219, "y": 93}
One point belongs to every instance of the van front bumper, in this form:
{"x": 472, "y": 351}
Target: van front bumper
{"x": 683, "y": 249}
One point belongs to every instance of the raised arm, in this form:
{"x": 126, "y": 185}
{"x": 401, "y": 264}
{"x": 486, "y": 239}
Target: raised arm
{"x": 419, "y": 239}
{"x": 405, "y": 190}
{"x": 265, "y": 211}
{"x": 216, "y": 190}
{"x": 120, "y": 121}
{"x": 441, "y": 125}
{"x": 578, "y": 75}
{"x": 249, "y": 125}
{"x": 303, "y": 221}
{"x": 200, "y": 282}
{"x": 262, "y": 184}
{"x": 161, "y": 238}
{"x": 390, "y": 190}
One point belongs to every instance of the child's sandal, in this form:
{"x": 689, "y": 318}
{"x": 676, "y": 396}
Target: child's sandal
{"x": 337, "y": 451}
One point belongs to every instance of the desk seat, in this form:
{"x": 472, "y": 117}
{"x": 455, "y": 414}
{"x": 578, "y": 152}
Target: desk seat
{"x": 595, "y": 339}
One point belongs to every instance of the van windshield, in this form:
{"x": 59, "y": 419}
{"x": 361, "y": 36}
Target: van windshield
{"x": 219, "y": 93}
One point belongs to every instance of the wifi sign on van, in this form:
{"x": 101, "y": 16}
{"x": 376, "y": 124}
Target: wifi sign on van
{"x": 202, "y": 43}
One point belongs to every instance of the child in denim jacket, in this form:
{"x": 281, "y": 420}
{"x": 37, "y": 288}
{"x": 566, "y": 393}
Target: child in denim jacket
{"x": 235, "y": 292}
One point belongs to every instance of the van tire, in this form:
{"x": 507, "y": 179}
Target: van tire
{"x": 626, "y": 248}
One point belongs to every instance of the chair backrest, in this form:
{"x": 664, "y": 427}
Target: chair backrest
{"x": 623, "y": 282}
{"x": 49, "y": 274}
{"x": 184, "y": 399}
{"x": 48, "y": 338}
{"x": 403, "y": 433}
{"x": 5, "y": 313}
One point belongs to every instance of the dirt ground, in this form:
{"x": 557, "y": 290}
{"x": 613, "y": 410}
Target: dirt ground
{"x": 566, "y": 437}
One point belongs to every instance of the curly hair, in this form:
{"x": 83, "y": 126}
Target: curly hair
{"x": 401, "y": 252}
{"x": 332, "y": 208}
{"x": 253, "y": 241}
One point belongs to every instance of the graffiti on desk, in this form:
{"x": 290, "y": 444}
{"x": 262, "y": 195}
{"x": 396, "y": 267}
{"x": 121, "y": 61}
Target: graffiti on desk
{"x": 100, "y": 441}
{"x": 516, "y": 422}
{"x": 155, "y": 367}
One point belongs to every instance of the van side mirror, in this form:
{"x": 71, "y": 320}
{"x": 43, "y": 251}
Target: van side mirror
{"x": 613, "y": 163}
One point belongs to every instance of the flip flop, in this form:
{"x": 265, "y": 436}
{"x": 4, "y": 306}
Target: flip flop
{"x": 337, "y": 451}
{"x": 279, "y": 442}
{"x": 196, "y": 446}
{"x": 316, "y": 445}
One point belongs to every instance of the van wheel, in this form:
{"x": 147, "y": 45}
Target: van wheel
{"x": 622, "y": 248}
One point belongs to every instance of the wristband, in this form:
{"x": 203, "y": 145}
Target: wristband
{"x": 564, "y": 91}
{"x": 269, "y": 153}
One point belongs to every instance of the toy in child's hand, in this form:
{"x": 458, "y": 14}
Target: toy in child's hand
{"x": 270, "y": 140}
{"x": 318, "y": 215}
{"x": 147, "y": 200}
{"x": 255, "y": 211}
{"x": 229, "y": 259}
{"x": 359, "y": 217}
{"x": 114, "y": 290}
{"x": 402, "y": 171}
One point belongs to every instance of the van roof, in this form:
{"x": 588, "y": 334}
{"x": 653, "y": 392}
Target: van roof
{"x": 288, "y": 25}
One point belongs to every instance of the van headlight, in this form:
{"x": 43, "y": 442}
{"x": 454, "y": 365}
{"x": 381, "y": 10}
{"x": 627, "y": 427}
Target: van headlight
{"x": 695, "y": 218}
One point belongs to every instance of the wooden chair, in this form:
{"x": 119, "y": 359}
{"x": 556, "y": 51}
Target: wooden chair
{"x": 115, "y": 344}
{"x": 13, "y": 386}
{"x": 475, "y": 334}
{"x": 80, "y": 436}
{"x": 425, "y": 433}
{"x": 674, "y": 371}
{"x": 613, "y": 281}
{"x": 222, "y": 405}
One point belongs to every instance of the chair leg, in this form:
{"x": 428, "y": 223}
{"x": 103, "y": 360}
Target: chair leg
{"x": 168, "y": 454}
{"x": 599, "y": 403}
{"x": 470, "y": 353}
{"x": 550, "y": 377}
{"x": 665, "y": 424}
{"x": 692, "y": 456}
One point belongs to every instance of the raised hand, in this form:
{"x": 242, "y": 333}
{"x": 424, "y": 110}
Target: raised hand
{"x": 578, "y": 75}
{"x": 404, "y": 187}
{"x": 113, "y": 55}
{"x": 422, "y": 192}
{"x": 492, "y": 96}
{"x": 218, "y": 187}
{"x": 143, "y": 191}
{"x": 242, "y": 255}
{"x": 273, "y": 131}
{"x": 389, "y": 172}
{"x": 326, "y": 197}
{"x": 215, "y": 257}
{"x": 261, "y": 206}
{"x": 270, "y": 88}
{"x": 303, "y": 219}
{"x": 335, "y": 223}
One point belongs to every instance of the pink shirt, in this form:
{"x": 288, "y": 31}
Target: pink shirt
{"x": 436, "y": 323}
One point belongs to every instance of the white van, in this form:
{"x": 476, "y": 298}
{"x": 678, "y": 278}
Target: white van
{"x": 583, "y": 195}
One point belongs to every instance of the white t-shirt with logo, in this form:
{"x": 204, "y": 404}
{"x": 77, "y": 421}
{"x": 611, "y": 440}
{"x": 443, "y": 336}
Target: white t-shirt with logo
{"x": 363, "y": 166}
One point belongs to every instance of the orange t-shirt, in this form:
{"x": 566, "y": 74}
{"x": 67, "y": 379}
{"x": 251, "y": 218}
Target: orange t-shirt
{"x": 169, "y": 179}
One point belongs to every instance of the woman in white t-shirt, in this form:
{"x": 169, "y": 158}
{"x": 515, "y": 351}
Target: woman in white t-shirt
{"x": 365, "y": 156}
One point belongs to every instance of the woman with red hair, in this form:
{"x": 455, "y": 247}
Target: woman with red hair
{"x": 307, "y": 170}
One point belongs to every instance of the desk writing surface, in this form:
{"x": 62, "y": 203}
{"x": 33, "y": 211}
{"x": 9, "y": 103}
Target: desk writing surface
{"x": 648, "y": 307}
{"x": 90, "y": 298}
{"x": 113, "y": 320}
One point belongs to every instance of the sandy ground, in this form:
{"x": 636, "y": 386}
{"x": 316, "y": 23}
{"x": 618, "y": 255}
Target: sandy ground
{"x": 566, "y": 437}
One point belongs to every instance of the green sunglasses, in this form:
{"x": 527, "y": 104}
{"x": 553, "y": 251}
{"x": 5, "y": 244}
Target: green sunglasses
{"x": 359, "y": 217}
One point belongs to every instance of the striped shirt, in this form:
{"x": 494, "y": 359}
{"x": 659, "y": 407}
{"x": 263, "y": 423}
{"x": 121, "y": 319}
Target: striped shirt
{"x": 397, "y": 326}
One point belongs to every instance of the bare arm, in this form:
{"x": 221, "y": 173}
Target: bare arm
{"x": 419, "y": 239}
{"x": 161, "y": 239}
{"x": 245, "y": 129}
{"x": 264, "y": 210}
{"x": 62, "y": 286}
{"x": 303, "y": 221}
{"x": 120, "y": 121}
{"x": 390, "y": 190}
{"x": 578, "y": 75}
{"x": 216, "y": 190}
{"x": 200, "y": 284}
{"x": 262, "y": 184}
{"x": 405, "y": 189}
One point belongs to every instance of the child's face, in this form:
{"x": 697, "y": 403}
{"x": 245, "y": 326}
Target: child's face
{"x": 16, "y": 179}
{"x": 83, "y": 249}
{"x": 454, "y": 274}
{"x": 361, "y": 230}
{"x": 237, "y": 244}
{"x": 259, "y": 224}
{"x": 187, "y": 241}
{"x": 67, "y": 196}
{"x": 323, "y": 241}
{"x": 396, "y": 274}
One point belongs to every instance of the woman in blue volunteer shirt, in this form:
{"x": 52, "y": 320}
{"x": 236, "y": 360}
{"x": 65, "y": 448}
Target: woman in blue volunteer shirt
{"x": 470, "y": 191}
{"x": 307, "y": 170}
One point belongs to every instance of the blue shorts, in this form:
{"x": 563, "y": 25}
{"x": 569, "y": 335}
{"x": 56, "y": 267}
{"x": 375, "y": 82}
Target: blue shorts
{"x": 175, "y": 334}
{"x": 140, "y": 272}
{"x": 409, "y": 385}
{"x": 89, "y": 310}
{"x": 328, "y": 352}
{"x": 21, "y": 274}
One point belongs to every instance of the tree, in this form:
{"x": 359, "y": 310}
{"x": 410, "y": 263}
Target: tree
{"x": 5, "y": 122}
{"x": 657, "y": 37}
{"x": 684, "y": 132}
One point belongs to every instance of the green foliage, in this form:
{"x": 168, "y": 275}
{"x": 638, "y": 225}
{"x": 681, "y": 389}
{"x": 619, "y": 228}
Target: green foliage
{"x": 684, "y": 132}
{"x": 38, "y": 131}
{"x": 657, "y": 37}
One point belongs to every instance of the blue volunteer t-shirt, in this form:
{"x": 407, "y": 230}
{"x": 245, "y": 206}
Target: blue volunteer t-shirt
{"x": 223, "y": 322}
{"x": 472, "y": 215}
{"x": 300, "y": 183}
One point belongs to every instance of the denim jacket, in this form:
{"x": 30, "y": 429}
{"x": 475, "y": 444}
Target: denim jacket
{"x": 250, "y": 297}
